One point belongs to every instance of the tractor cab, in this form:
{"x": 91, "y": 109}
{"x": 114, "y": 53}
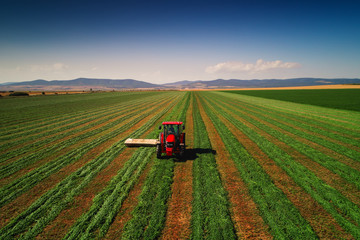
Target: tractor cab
{"x": 172, "y": 129}
{"x": 171, "y": 139}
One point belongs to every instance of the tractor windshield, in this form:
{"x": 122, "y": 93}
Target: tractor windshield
{"x": 172, "y": 129}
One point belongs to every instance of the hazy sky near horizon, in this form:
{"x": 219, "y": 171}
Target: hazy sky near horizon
{"x": 168, "y": 41}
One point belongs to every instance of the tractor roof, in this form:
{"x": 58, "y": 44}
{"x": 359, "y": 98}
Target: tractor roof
{"x": 172, "y": 123}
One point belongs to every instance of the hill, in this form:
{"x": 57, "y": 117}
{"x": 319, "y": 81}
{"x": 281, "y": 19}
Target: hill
{"x": 266, "y": 83}
{"x": 80, "y": 84}
{"x": 110, "y": 84}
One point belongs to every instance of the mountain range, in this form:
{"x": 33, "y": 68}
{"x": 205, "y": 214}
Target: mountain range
{"x": 111, "y": 84}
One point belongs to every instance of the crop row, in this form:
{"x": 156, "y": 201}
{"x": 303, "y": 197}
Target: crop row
{"x": 344, "y": 211}
{"x": 49, "y": 205}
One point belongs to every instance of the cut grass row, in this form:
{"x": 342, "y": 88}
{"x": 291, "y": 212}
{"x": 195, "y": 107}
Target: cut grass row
{"x": 48, "y": 206}
{"x": 344, "y": 211}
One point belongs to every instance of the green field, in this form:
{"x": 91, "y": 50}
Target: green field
{"x": 255, "y": 167}
{"x": 348, "y": 99}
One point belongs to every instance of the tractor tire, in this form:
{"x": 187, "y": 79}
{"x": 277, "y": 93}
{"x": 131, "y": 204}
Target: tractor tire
{"x": 158, "y": 151}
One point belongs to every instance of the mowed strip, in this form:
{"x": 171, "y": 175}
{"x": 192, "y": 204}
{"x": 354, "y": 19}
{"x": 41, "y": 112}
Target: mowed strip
{"x": 22, "y": 202}
{"x": 148, "y": 217}
{"x": 343, "y": 146}
{"x": 82, "y": 203}
{"x": 343, "y": 210}
{"x": 245, "y": 215}
{"x": 58, "y": 131}
{"x": 35, "y": 144}
{"x": 345, "y": 122}
{"x": 25, "y": 113}
{"x": 94, "y": 135}
{"x": 125, "y": 212}
{"x": 38, "y": 122}
{"x": 336, "y": 134}
{"x": 60, "y": 123}
{"x": 53, "y": 202}
{"x": 86, "y": 134}
{"x": 321, "y": 221}
{"x": 177, "y": 224}
{"x": 283, "y": 218}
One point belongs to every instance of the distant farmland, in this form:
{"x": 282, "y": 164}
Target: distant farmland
{"x": 260, "y": 164}
{"x": 348, "y": 99}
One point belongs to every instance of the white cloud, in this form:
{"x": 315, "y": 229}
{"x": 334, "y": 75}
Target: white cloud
{"x": 259, "y": 66}
{"x": 46, "y": 67}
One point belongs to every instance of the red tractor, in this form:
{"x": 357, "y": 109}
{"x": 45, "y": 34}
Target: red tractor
{"x": 171, "y": 139}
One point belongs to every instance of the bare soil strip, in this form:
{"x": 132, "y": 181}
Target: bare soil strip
{"x": 177, "y": 224}
{"x": 245, "y": 215}
{"x": 322, "y": 222}
{"x": 15, "y": 207}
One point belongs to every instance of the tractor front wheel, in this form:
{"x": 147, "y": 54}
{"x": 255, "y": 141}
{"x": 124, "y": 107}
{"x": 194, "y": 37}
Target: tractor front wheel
{"x": 158, "y": 151}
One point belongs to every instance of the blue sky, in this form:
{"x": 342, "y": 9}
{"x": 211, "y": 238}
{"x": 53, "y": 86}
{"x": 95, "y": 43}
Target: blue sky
{"x": 167, "y": 41}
